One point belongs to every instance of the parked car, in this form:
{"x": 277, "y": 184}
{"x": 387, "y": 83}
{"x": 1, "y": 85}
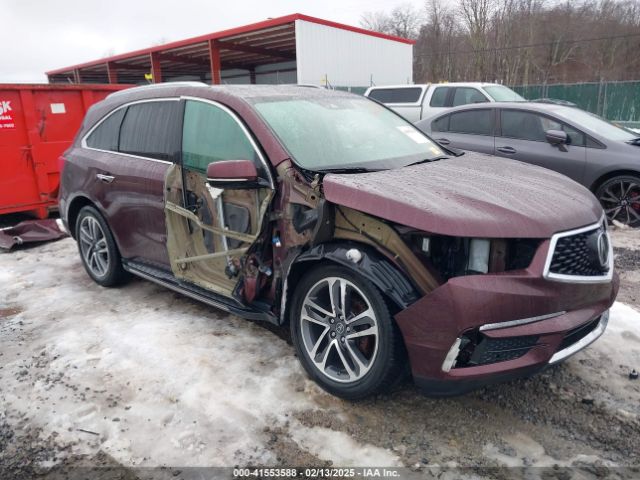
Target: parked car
{"x": 415, "y": 102}
{"x": 331, "y": 213}
{"x": 603, "y": 157}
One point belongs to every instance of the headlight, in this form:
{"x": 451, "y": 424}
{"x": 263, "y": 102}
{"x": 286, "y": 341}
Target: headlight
{"x": 478, "y": 259}
{"x": 457, "y": 256}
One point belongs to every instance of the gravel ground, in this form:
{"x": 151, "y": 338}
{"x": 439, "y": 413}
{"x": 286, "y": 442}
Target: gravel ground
{"x": 141, "y": 377}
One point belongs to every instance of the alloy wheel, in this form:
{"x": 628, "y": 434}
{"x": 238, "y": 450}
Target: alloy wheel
{"x": 621, "y": 201}
{"x": 339, "y": 329}
{"x": 93, "y": 245}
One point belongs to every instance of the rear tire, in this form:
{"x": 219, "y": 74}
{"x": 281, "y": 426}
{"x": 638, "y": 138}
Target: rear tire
{"x": 98, "y": 251}
{"x": 620, "y": 199}
{"x": 344, "y": 334}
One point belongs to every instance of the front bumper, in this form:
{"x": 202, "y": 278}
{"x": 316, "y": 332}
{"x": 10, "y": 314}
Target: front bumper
{"x": 544, "y": 320}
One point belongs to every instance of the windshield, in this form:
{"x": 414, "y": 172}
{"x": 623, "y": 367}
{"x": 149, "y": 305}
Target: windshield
{"x": 342, "y": 132}
{"x": 500, "y": 93}
{"x": 598, "y": 125}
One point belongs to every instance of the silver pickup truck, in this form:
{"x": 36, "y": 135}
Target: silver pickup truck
{"x": 415, "y": 102}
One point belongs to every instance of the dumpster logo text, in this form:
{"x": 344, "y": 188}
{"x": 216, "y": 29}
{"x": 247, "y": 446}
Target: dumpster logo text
{"x": 6, "y": 119}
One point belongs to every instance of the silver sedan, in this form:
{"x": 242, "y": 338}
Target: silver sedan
{"x": 600, "y": 155}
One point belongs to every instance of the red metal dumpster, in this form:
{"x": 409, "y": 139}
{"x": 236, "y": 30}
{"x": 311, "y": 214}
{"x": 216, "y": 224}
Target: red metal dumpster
{"x": 37, "y": 124}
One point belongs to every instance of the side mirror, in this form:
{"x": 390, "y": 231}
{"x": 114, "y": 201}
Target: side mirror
{"x": 556, "y": 137}
{"x": 232, "y": 174}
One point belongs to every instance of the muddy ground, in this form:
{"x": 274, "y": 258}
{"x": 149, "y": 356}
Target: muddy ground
{"x": 141, "y": 377}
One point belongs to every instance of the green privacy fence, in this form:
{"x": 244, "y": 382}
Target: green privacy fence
{"x": 619, "y": 101}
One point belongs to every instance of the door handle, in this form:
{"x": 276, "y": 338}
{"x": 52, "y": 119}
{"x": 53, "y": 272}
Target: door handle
{"x": 105, "y": 178}
{"x": 507, "y": 150}
{"x": 443, "y": 141}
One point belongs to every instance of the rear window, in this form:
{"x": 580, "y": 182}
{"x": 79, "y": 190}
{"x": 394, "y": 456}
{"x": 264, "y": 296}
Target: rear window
{"x": 466, "y": 95}
{"x": 439, "y": 97}
{"x": 396, "y": 95}
{"x": 500, "y": 93}
{"x": 474, "y": 122}
{"x": 440, "y": 124}
{"x": 151, "y": 130}
{"x": 106, "y": 135}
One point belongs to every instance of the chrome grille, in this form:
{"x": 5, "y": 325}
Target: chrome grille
{"x": 583, "y": 255}
{"x": 575, "y": 256}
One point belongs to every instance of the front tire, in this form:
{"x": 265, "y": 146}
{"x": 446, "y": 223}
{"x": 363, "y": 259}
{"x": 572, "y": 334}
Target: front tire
{"x": 620, "y": 199}
{"x": 98, "y": 251}
{"x": 344, "y": 335}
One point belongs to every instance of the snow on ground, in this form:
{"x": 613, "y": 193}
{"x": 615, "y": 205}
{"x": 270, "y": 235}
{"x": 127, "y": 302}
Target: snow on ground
{"x": 535, "y": 454}
{"x": 153, "y": 378}
{"x": 328, "y": 444}
{"x": 618, "y": 349}
{"x": 157, "y": 378}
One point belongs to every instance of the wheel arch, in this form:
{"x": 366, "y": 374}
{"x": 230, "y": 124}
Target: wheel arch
{"x": 74, "y": 210}
{"x": 77, "y": 204}
{"x": 396, "y": 288}
{"x": 609, "y": 175}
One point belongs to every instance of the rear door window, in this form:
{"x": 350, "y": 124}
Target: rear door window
{"x": 396, "y": 95}
{"x": 467, "y": 95}
{"x": 439, "y": 97}
{"x": 472, "y": 122}
{"x": 106, "y": 135}
{"x": 151, "y": 130}
{"x": 211, "y": 134}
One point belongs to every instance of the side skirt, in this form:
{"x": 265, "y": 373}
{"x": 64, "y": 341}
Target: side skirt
{"x": 166, "y": 279}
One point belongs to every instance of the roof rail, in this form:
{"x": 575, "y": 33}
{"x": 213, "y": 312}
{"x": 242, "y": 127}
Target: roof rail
{"x": 159, "y": 85}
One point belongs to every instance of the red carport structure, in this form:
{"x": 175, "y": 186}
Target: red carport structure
{"x": 292, "y": 49}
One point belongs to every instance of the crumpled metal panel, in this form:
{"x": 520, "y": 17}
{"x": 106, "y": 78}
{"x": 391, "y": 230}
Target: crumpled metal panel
{"x": 31, "y": 231}
{"x": 471, "y": 196}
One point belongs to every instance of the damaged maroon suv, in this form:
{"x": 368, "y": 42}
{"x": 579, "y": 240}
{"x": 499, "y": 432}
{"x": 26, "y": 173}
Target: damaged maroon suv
{"x": 331, "y": 213}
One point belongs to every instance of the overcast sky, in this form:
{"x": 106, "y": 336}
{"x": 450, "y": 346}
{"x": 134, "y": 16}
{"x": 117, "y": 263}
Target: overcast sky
{"x": 41, "y": 35}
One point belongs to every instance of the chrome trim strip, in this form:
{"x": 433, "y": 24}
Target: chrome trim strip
{"x": 515, "y": 323}
{"x": 166, "y": 162}
{"x": 227, "y": 179}
{"x": 450, "y": 359}
{"x": 582, "y": 343}
{"x": 557, "y": 277}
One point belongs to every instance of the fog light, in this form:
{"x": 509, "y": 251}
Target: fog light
{"x": 452, "y": 355}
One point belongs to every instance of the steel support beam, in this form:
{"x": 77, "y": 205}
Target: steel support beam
{"x": 112, "y": 72}
{"x": 156, "y": 69}
{"x": 214, "y": 59}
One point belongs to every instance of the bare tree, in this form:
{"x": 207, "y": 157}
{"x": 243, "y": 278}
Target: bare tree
{"x": 477, "y": 16}
{"x": 376, "y": 21}
{"x": 403, "y": 21}
{"x": 519, "y": 41}
{"x": 437, "y": 37}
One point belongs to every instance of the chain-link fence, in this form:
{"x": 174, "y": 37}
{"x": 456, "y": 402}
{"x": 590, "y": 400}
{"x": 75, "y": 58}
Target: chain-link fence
{"x": 617, "y": 101}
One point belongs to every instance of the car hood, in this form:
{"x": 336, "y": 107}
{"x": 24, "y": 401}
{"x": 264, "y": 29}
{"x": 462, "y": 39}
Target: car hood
{"x": 474, "y": 195}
